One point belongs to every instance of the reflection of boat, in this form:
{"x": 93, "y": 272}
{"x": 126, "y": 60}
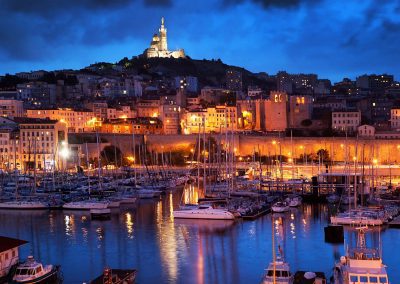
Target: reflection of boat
{"x": 360, "y": 265}
{"x": 278, "y": 271}
{"x": 279, "y": 207}
{"x": 32, "y": 271}
{"x": 204, "y": 211}
{"x": 100, "y": 214}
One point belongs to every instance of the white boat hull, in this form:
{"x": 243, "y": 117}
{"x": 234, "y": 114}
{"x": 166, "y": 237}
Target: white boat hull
{"x": 356, "y": 221}
{"x": 85, "y": 205}
{"x": 23, "y": 205}
{"x": 215, "y": 214}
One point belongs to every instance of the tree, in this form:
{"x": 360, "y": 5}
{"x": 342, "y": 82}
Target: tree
{"x": 112, "y": 155}
{"x": 323, "y": 154}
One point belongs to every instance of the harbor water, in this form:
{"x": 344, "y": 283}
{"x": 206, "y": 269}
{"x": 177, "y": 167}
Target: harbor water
{"x": 145, "y": 237}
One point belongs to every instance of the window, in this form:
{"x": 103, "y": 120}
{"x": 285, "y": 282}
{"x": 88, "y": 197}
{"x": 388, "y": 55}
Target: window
{"x": 363, "y": 279}
{"x": 353, "y": 278}
{"x": 373, "y": 279}
{"x": 382, "y": 280}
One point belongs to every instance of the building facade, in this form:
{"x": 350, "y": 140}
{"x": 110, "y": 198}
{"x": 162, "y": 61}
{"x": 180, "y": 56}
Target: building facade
{"x": 11, "y": 108}
{"x": 346, "y": 121}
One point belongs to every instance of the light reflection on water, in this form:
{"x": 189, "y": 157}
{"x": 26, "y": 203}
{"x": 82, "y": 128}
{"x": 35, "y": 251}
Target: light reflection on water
{"x": 182, "y": 251}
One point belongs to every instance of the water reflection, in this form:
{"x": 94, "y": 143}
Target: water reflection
{"x": 182, "y": 251}
{"x": 129, "y": 224}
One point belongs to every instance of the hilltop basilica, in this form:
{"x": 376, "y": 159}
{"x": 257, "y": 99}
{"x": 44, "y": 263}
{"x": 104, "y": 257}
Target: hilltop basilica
{"x": 159, "y": 48}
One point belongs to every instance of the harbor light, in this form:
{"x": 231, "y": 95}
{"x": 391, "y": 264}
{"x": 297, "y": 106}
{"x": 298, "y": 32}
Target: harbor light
{"x": 64, "y": 153}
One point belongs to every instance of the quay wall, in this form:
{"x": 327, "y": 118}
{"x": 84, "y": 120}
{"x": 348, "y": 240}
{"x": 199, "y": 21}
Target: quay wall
{"x": 339, "y": 148}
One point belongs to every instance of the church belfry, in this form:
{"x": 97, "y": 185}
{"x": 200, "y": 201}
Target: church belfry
{"x": 159, "y": 47}
{"x": 163, "y": 36}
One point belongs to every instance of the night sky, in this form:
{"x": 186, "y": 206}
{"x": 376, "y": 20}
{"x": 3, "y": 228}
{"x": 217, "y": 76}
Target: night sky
{"x": 334, "y": 39}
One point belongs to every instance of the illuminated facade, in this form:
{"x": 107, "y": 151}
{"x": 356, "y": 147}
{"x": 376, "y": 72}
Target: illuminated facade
{"x": 148, "y": 108}
{"x": 139, "y": 125}
{"x": 300, "y": 109}
{"x": 42, "y": 143}
{"x": 395, "y": 118}
{"x": 271, "y": 114}
{"x": 213, "y": 119}
{"x": 75, "y": 121}
{"x": 11, "y": 108}
{"x": 159, "y": 46}
{"x": 346, "y": 121}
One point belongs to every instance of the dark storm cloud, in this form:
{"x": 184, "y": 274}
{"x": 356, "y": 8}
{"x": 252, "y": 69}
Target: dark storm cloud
{"x": 163, "y": 3}
{"x": 270, "y": 3}
{"x": 323, "y": 36}
{"x": 51, "y": 7}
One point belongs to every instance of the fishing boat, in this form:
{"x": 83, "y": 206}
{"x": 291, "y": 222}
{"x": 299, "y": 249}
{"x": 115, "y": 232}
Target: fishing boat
{"x": 32, "y": 271}
{"x": 360, "y": 265}
{"x": 278, "y": 271}
{"x": 203, "y": 211}
{"x": 280, "y": 207}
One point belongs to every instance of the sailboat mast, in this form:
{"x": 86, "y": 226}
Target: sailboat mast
{"x": 204, "y": 160}
{"x": 87, "y": 165}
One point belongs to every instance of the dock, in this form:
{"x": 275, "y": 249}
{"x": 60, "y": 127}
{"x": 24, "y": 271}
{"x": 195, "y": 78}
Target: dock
{"x": 395, "y": 223}
{"x": 256, "y": 214}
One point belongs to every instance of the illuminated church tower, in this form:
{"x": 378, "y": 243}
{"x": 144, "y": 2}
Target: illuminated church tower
{"x": 159, "y": 46}
{"x": 163, "y": 36}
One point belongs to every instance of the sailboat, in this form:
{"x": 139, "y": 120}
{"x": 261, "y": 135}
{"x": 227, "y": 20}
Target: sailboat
{"x": 360, "y": 265}
{"x": 203, "y": 211}
{"x": 278, "y": 270}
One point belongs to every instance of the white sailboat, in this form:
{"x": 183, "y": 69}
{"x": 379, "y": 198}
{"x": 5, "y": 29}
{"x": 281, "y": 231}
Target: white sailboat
{"x": 278, "y": 271}
{"x": 203, "y": 211}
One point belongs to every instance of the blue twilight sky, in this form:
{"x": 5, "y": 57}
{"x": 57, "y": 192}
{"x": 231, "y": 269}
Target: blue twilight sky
{"x": 333, "y": 38}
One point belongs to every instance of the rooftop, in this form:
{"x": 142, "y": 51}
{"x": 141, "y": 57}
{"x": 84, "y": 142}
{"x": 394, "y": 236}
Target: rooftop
{"x": 29, "y": 120}
{"x": 10, "y": 243}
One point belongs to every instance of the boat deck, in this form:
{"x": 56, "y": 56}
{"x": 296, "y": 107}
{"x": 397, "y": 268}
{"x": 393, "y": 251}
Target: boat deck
{"x": 395, "y": 223}
{"x": 119, "y": 276}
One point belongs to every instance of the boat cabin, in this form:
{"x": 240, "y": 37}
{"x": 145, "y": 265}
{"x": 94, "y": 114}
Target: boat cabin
{"x": 8, "y": 254}
{"x": 29, "y": 270}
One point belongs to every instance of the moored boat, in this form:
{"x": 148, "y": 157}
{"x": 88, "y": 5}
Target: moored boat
{"x": 32, "y": 271}
{"x": 85, "y": 205}
{"x": 360, "y": 265}
{"x": 278, "y": 271}
{"x": 23, "y": 205}
{"x": 204, "y": 211}
{"x": 280, "y": 207}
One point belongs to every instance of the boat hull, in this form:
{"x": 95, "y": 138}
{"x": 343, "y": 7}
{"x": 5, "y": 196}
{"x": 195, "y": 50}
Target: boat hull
{"x": 193, "y": 214}
{"x": 53, "y": 277}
